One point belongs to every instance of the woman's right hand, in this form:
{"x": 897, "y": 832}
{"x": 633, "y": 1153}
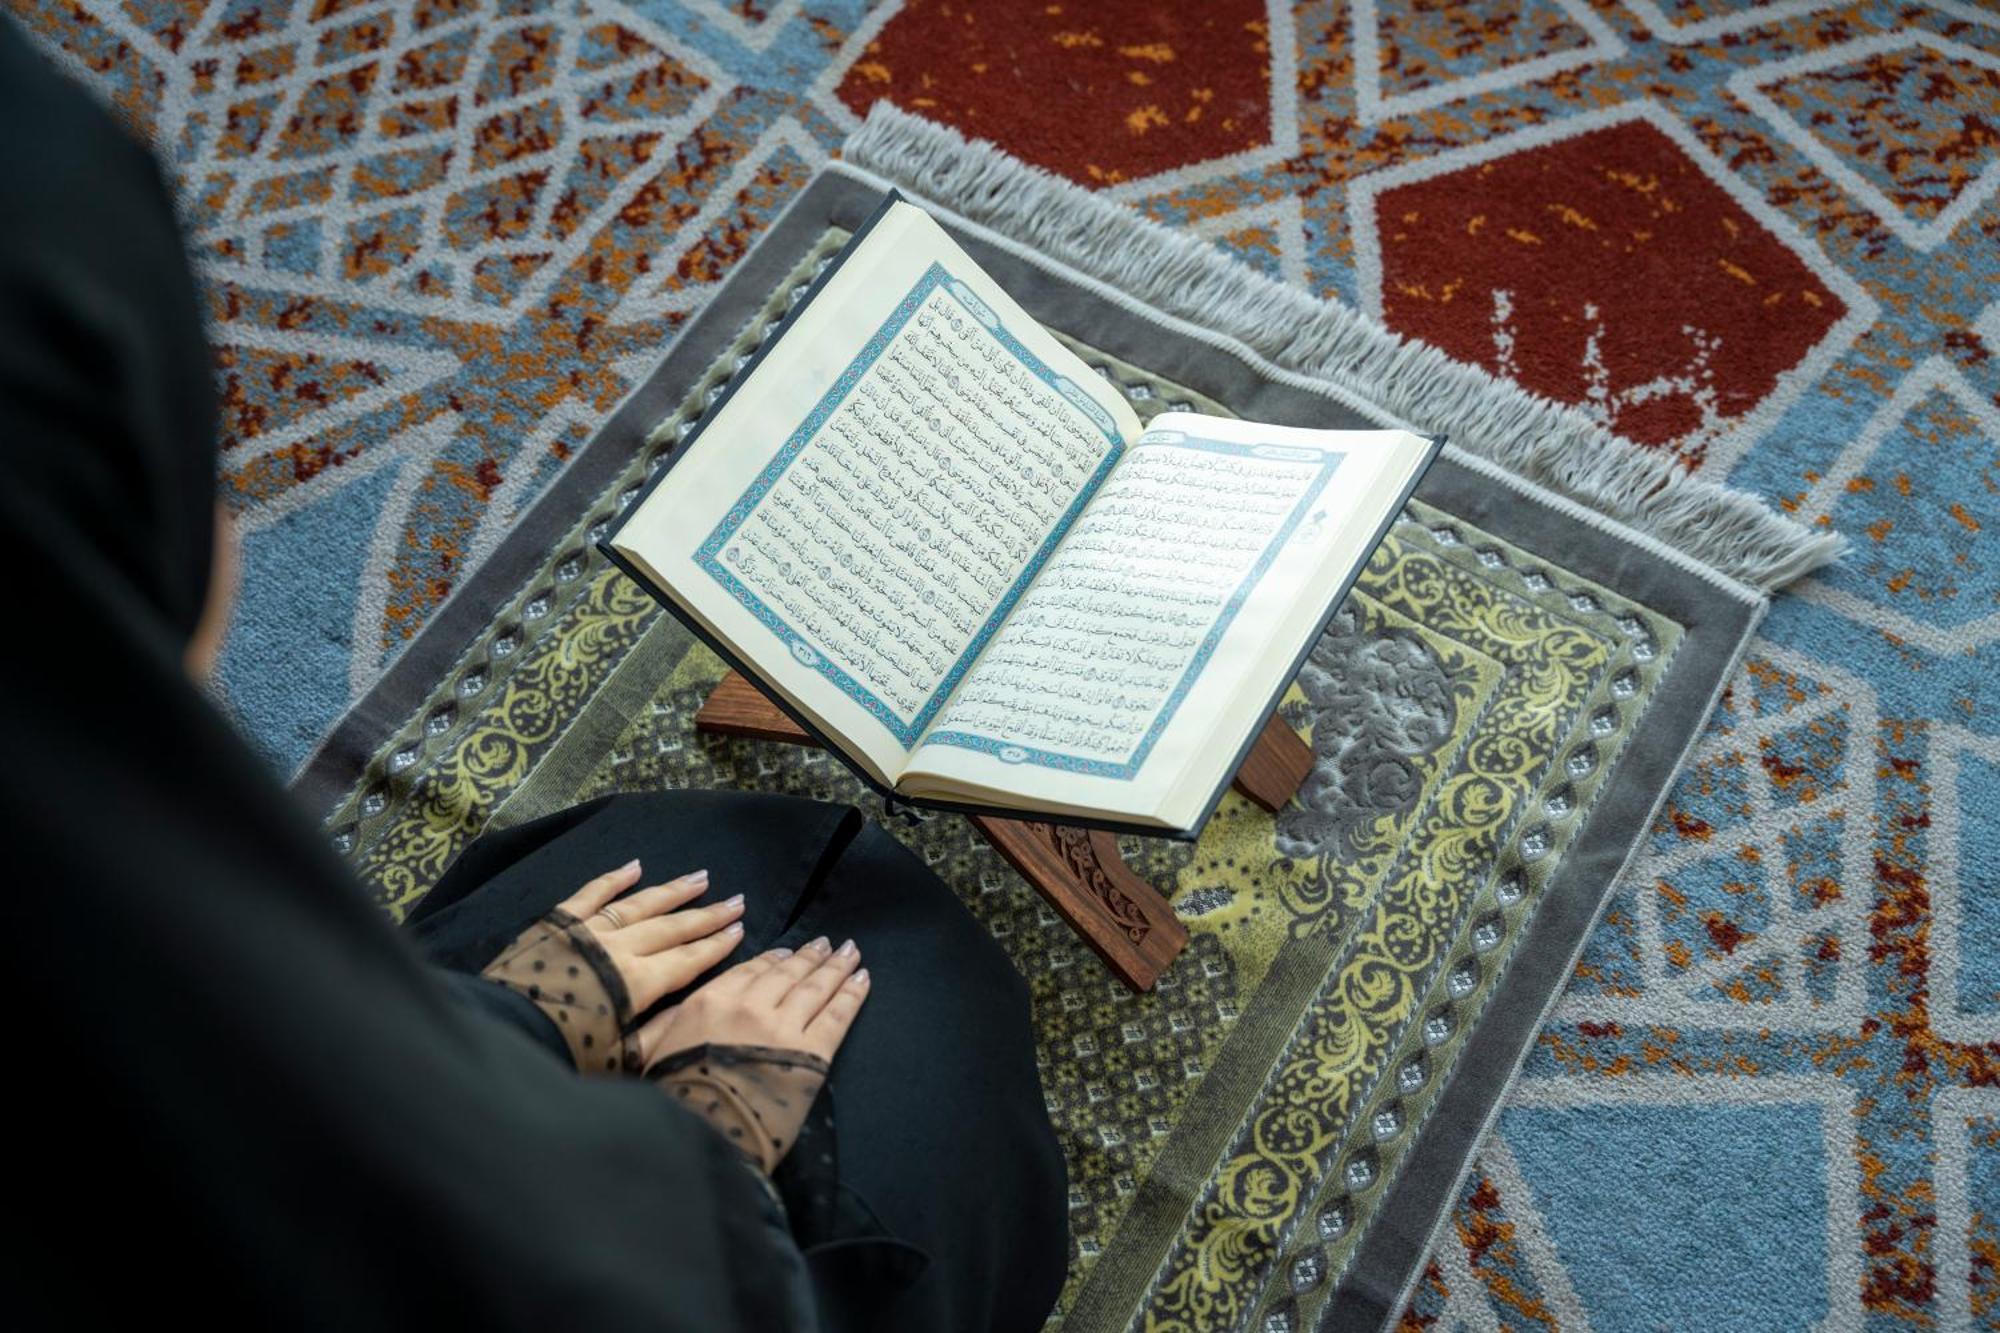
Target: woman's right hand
{"x": 748, "y": 1051}
{"x": 804, "y": 1001}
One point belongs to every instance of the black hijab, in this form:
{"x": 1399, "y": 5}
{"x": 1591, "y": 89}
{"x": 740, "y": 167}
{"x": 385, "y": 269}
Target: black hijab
{"x": 240, "y": 1094}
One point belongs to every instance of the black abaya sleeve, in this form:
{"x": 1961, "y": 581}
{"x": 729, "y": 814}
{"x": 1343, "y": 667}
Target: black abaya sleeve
{"x": 244, "y": 1098}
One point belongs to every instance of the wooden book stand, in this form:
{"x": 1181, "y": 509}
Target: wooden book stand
{"x": 1079, "y": 871}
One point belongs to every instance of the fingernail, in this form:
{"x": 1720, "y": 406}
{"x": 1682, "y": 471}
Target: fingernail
{"x": 860, "y": 978}
{"x": 698, "y": 876}
{"x": 820, "y": 945}
{"x": 737, "y": 901}
{"x": 632, "y": 864}
{"x": 781, "y": 953}
{"x": 733, "y": 929}
{"x": 848, "y": 950}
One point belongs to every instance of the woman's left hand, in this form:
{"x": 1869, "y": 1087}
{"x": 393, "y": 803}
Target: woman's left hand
{"x": 657, "y": 946}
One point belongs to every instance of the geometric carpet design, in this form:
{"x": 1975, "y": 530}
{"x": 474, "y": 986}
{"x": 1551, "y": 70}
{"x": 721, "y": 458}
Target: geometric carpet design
{"x": 443, "y": 238}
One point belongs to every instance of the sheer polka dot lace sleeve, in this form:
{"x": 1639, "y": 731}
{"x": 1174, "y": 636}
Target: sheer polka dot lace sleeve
{"x": 757, "y": 1097}
{"x": 558, "y": 965}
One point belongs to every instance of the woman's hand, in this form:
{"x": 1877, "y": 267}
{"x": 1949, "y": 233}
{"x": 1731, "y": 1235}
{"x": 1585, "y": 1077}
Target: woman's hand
{"x": 656, "y": 947}
{"x": 804, "y": 1001}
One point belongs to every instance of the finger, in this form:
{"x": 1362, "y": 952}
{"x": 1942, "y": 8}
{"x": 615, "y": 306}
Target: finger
{"x": 804, "y": 1001}
{"x": 661, "y": 933}
{"x": 651, "y": 902}
{"x": 668, "y": 972}
{"x": 642, "y": 987}
{"x": 777, "y": 981}
{"x": 592, "y": 896}
{"x": 829, "y": 1026}
{"x": 652, "y": 1034}
{"x": 740, "y": 978}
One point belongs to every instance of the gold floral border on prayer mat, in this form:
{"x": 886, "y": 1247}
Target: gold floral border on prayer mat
{"x": 1231, "y": 1136}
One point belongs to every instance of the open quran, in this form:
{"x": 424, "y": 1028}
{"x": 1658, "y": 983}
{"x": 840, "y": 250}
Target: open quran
{"x": 955, "y": 554}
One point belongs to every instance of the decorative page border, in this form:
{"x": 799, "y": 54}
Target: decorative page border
{"x": 935, "y": 277}
{"x": 1008, "y": 752}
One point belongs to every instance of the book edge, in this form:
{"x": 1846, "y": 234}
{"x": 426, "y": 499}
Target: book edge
{"x": 894, "y": 802}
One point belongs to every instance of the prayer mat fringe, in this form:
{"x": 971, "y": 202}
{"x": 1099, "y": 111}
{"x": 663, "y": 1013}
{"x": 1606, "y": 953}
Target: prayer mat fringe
{"x": 1547, "y": 443}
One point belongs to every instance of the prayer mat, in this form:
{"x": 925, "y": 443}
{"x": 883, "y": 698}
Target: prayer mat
{"x": 1273, "y": 1138}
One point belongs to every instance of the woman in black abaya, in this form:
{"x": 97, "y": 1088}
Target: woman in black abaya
{"x": 595, "y": 1092}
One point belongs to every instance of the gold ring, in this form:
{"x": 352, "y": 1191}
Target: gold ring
{"x": 610, "y": 913}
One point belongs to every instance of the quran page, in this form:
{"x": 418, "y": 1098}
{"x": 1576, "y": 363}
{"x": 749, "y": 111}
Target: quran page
{"x": 1145, "y": 651}
{"x": 860, "y": 515}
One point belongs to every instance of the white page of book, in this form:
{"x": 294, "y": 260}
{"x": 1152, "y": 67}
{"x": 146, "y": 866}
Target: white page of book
{"x": 1131, "y": 669}
{"x": 859, "y": 516}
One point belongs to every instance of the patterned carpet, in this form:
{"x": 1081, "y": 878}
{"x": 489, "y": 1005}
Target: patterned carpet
{"x": 443, "y": 239}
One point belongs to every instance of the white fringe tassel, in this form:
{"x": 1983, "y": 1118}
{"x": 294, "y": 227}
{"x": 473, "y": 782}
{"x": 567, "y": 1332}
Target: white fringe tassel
{"x": 1550, "y": 444}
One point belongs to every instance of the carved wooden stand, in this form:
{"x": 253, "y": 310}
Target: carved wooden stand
{"x": 1079, "y": 871}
